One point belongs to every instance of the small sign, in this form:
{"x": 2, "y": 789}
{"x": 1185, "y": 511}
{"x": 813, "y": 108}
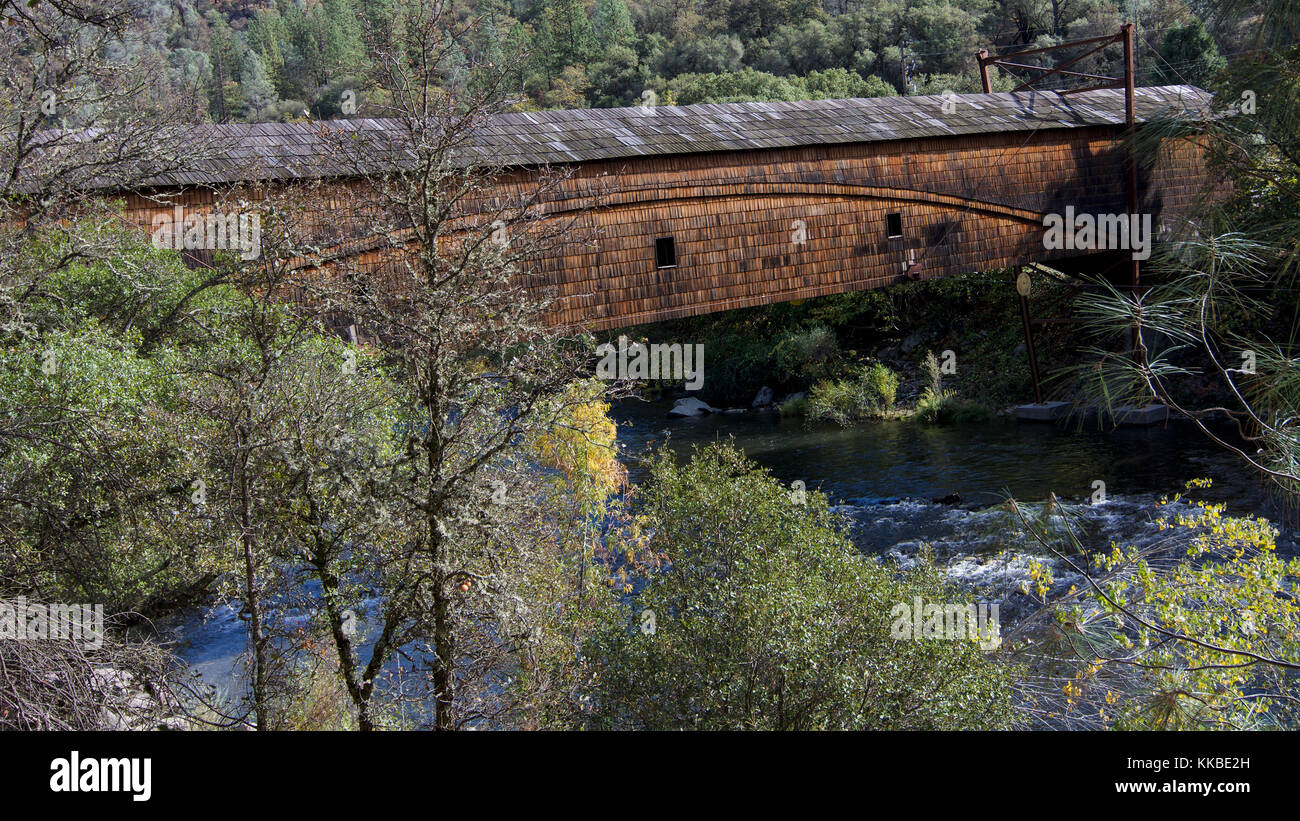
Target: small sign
{"x": 1022, "y": 284}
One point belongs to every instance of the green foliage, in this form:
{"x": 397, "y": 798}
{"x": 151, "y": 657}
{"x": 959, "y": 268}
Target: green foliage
{"x": 565, "y": 34}
{"x": 844, "y": 401}
{"x": 960, "y": 83}
{"x": 96, "y": 462}
{"x": 976, "y": 314}
{"x": 933, "y": 373}
{"x": 100, "y": 445}
{"x": 938, "y": 406}
{"x": 749, "y": 85}
{"x": 880, "y": 385}
{"x": 1220, "y": 317}
{"x": 612, "y": 24}
{"x": 738, "y": 366}
{"x": 741, "y": 50}
{"x": 796, "y": 408}
{"x": 945, "y": 33}
{"x": 839, "y": 401}
{"x": 1199, "y": 630}
{"x": 1234, "y": 593}
{"x": 808, "y": 354}
{"x": 1188, "y": 54}
{"x": 767, "y": 617}
{"x": 945, "y": 407}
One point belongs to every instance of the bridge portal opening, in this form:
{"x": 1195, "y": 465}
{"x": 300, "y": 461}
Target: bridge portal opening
{"x": 665, "y": 253}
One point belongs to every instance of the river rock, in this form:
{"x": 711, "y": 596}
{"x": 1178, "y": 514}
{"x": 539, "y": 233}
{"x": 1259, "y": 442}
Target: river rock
{"x": 764, "y": 397}
{"x": 128, "y": 703}
{"x": 690, "y": 407}
{"x": 911, "y": 342}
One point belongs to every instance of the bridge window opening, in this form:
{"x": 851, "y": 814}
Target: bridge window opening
{"x": 894, "y": 225}
{"x": 665, "y": 253}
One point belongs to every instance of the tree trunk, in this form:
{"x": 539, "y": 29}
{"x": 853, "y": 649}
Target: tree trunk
{"x": 258, "y": 643}
{"x": 444, "y": 648}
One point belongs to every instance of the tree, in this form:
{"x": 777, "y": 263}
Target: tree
{"x": 344, "y": 51}
{"x": 564, "y": 35}
{"x": 1188, "y": 54}
{"x": 1194, "y": 631}
{"x": 265, "y": 36}
{"x": 612, "y": 24}
{"x": 480, "y": 371}
{"x": 81, "y": 489}
{"x": 943, "y": 36}
{"x": 617, "y": 80}
{"x": 709, "y": 55}
{"x": 256, "y": 88}
{"x": 1216, "y": 317}
{"x": 1218, "y": 307}
{"x": 226, "y": 67}
{"x": 756, "y": 86}
{"x": 756, "y": 18}
{"x": 308, "y": 62}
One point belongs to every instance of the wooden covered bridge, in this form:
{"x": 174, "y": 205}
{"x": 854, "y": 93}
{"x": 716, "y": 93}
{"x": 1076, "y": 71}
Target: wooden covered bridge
{"x": 716, "y": 207}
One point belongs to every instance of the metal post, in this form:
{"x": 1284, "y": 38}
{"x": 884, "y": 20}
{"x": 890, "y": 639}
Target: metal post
{"x": 1022, "y": 288}
{"x": 983, "y": 57}
{"x": 1130, "y": 128}
{"x": 1130, "y": 125}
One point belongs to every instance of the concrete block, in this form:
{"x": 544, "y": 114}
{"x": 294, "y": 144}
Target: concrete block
{"x": 1146, "y": 415}
{"x": 1045, "y": 412}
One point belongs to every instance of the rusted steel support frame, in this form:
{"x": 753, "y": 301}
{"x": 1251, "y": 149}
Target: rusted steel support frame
{"x": 1076, "y": 58}
{"x": 1127, "y": 82}
{"x": 1117, "y": 84}
{"x": 1108, "y": 38}
{"x": 1005, "y": 64}
{"x": 986, "y": 60}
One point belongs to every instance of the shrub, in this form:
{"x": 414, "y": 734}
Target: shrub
{"x": 933, "y": 373}
{"x": 844, "y": 401}
{"x": 944, "y": 407}
{"x": 806, "y": 355}
{"x": 767, "y": 617}
{"x": 880, "y": 386}
{"x": 795, "y": 407}
{"x": 838, "y": 401}
{"x": 1197, "y": 631}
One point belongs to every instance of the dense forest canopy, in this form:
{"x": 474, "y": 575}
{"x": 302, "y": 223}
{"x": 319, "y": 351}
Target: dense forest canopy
{"x": 241, "y": 60}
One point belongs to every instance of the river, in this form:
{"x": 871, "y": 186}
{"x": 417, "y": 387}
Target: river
{"x": 886, "y": 477}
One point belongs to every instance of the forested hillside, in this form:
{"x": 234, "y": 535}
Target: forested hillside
{"x": 241, "y": 60}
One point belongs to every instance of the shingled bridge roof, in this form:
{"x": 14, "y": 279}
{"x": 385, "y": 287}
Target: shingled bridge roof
{"x": 311, "y": 149}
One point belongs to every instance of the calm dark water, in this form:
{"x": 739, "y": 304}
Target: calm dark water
{"x": 982, "y": 463}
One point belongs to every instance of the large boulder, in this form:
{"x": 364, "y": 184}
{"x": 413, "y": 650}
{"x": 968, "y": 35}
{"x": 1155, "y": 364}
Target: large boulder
{"x": 691, "y": 407}
{"x": 764, "y": 397}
